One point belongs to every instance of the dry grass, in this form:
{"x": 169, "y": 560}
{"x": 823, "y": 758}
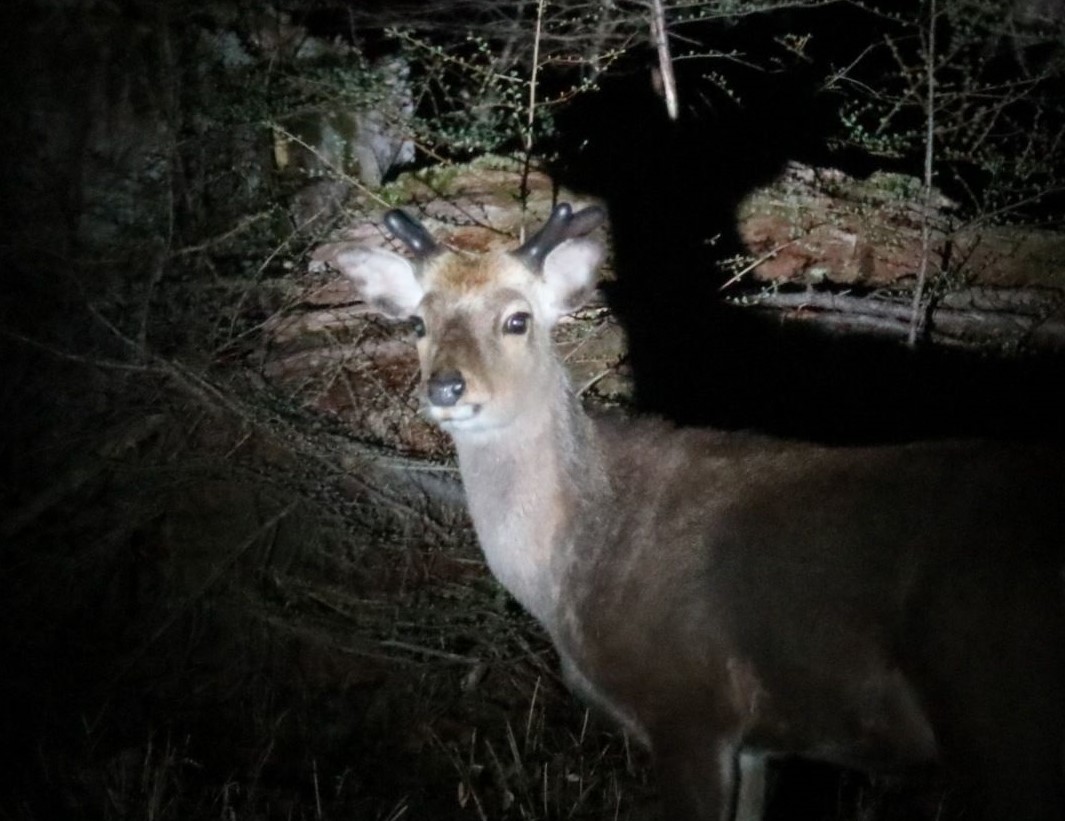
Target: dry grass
{"x": 222, "y": 602}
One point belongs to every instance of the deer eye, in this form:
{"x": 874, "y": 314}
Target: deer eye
{"x": 417, "y": 324}
{"x": 517, "y": 323}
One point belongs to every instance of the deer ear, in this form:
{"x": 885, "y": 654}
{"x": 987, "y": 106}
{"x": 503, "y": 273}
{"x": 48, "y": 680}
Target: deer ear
{"x": 385, "y": 280}
{"x": 569, "y": 275}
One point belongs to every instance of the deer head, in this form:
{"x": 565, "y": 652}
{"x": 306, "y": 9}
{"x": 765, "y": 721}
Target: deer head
{"x": 484, "y": 321}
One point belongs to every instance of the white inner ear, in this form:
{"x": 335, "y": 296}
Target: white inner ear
{"x": 385, "y": 280}
{"x": 569, "y": 273}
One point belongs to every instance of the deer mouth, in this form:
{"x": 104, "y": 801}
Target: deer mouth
{"x": 454, "y": 416}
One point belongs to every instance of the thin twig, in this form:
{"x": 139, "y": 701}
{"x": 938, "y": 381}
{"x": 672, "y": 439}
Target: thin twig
{"x": 242, "y": 225}
{"x": 68, "y": 356}
{"x": 595, "y": 380}
{"x": 660, "y": 38}
{"x": 768, "y": 255}
{"x": 929, "y": 156}
{"x": 531, "y": 117}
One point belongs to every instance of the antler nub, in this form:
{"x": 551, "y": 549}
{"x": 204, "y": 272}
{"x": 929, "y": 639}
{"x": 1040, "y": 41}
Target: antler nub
{"x": 411, "y": 232}
{"x": 563, "y": 224}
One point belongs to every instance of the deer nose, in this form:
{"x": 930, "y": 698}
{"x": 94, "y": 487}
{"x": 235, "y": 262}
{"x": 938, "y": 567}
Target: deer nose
{"x": 445, "y": 388}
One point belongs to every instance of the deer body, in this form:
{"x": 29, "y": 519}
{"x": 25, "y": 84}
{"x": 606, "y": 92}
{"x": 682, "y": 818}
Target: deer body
{"x": 721, "y": 593}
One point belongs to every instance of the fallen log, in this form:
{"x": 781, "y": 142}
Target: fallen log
{"x": 979, "y": 318}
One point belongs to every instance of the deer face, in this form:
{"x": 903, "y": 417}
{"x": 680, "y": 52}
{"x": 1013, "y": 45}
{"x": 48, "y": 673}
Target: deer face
{"x": 483, "y": 322}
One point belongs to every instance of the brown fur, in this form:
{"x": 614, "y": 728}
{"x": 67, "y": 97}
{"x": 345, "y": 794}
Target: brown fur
{"x": 462, "y": 274}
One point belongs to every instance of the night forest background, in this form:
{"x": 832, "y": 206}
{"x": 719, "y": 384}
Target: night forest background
{"x": 236, "y": 575}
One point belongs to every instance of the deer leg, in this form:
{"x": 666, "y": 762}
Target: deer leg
{"x": 698, "y": 776}
{"x": 751, "y": 793}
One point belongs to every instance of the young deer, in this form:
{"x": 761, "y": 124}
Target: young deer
{"x": 724, "y": 593}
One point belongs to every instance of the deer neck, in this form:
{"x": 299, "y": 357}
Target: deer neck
{"x": 526, "y": 486}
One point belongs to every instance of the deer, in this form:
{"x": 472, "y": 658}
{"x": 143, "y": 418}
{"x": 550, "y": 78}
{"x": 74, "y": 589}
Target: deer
{"x": 730, "y": 598}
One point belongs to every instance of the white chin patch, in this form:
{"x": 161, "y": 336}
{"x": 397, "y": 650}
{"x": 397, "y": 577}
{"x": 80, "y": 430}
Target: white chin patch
{"x": 454, "y": 417}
